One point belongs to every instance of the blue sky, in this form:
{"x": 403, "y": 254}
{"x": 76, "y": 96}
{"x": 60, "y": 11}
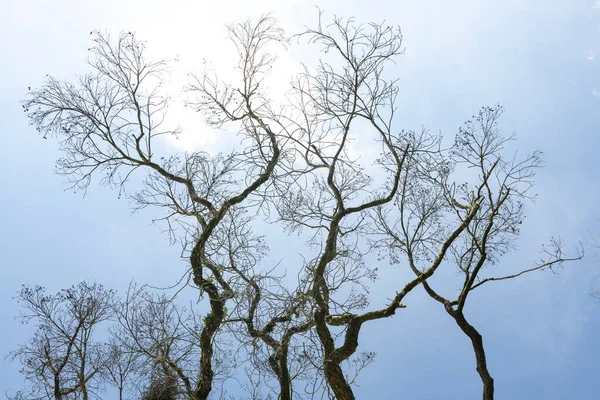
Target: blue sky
{"x": 539, "y": 59}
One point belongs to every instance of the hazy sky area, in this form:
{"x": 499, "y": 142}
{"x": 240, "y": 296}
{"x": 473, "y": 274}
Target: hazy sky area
{"x": 539, "y": 59}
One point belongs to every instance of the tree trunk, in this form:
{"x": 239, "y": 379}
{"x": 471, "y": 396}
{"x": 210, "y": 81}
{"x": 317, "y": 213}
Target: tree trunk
{"x": 477, "y": 342}
{"x": 286, "y": 383}
{"x": 331, "y": 365}
{"x": 57, "y": 392}
{"x": 337, "y": 381}
{"x": 278, "y": 364}
{"x": 212, "y": 322}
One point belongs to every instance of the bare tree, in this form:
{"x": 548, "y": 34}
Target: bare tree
{"x": 165, "y": 337}
{"x": 123, "y": 365}
{"x": 62, "y": 359}
{"x": 109, "y": 124}
{"x": 271, "y": 319}
{"x": 489, "y": 204}
{"x": 327, "y": 190}
{"x": 416, "y": 209}
{"x": 298, "y": 162}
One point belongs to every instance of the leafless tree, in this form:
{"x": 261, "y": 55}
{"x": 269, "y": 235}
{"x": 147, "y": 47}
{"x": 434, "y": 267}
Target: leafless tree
{"x": 298, "y": 164}
{"x": 165, "y": 337}
{"x": 62, "y": 360}
{"x": 109, "y": 123}
{"x": 413, "y": 206}
{"x": 271, "y": 319}
{"x": 123, "y": 366}
{"x": 327, "y": 191}
{"x": 489, "y": 203}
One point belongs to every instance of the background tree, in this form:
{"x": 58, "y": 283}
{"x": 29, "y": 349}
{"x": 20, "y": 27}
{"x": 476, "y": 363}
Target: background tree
{"x": 165, "y": 337}
{"x": 63, "y": 360}
{"x": 124, "y": 365}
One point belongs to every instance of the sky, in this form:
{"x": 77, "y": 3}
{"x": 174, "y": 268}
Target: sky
{"x": 539, "y": 59}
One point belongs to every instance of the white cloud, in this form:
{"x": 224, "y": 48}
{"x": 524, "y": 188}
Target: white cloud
{"x": 591, "y": 55}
